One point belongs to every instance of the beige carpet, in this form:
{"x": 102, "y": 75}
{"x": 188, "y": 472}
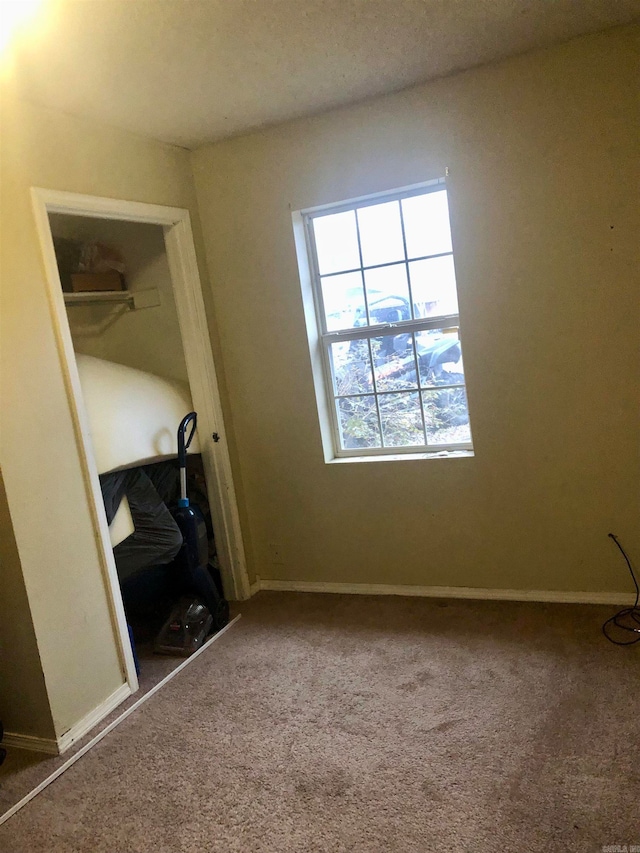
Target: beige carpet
{"x": 24, "y": 770}
{"x": 343, "y": 723}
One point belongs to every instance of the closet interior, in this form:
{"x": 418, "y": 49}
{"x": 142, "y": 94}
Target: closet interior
{"x": 123, "y": 321}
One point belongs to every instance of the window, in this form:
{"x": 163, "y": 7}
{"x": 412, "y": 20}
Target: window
{"x": 386, "y": 315}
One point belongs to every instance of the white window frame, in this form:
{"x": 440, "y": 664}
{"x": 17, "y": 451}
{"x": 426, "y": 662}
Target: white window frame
{"x": 320, "y": 339}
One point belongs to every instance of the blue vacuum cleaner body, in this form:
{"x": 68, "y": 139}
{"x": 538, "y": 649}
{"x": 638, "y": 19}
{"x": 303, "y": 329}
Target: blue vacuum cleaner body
{"x": 193, "y": 618}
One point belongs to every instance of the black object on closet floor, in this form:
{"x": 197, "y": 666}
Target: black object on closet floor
{"x": 150, "y": 562}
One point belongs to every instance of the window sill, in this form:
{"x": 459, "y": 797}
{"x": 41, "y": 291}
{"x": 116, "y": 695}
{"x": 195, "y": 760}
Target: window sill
{"x": 401, "y": 457}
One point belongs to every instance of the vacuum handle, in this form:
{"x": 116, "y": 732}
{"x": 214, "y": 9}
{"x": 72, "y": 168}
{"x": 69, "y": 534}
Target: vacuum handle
{"x": 183, "y": 443}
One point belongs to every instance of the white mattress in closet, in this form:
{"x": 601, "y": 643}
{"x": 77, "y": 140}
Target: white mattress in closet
{"x": 133, "y": 420}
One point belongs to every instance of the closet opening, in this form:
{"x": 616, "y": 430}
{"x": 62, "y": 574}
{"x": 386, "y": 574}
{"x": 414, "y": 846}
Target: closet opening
{"x": 129, "y": 316}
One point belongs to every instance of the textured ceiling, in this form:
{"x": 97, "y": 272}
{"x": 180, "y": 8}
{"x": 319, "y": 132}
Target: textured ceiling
{"x": 192, "y": 71}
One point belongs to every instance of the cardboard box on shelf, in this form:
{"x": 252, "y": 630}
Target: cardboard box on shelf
{"x": 82, "y": 282}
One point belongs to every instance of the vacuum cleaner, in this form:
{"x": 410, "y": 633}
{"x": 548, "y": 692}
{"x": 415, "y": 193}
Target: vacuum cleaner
{"x": 203, "y": 610}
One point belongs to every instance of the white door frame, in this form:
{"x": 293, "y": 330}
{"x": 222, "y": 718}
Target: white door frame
{"x": 202, "y": 380}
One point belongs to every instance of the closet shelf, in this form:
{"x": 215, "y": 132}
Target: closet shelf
{"x": 98, "y": 296}
{"x": 136, "y": 300}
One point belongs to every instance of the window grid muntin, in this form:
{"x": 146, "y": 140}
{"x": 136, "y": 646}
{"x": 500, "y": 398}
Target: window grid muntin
{"x": 308, "y": 217}
{"x": 389, "y": 264}
{"x": 406, "y": 261}
{"x": 362, "y": 271}
{"x": 375, "y": 393}
{"x": 396, "y": 449}
{"x": 444, "y": 321}
{"x": 419, "y": 388}
{"x": 364, "y": 284}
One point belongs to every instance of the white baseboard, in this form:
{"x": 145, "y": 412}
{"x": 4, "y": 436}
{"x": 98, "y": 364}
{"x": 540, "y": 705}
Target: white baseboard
{"x": 35, "y": 744}
{"x": 549, "y": 595}
{"x": 56, "y": 746}
{"x": 255, "y": 587}
{"x": 93, "y": 718}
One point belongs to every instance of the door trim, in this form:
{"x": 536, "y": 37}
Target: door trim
{"x": 202, "y": 380}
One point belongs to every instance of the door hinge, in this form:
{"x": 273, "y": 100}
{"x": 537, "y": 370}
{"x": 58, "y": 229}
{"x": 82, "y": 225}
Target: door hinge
{"x": 215, "y": 437}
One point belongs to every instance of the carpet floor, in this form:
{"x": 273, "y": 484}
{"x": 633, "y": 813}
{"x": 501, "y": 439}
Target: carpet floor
{"x": 329, "y": 724}
{"x": 24, "y": 770}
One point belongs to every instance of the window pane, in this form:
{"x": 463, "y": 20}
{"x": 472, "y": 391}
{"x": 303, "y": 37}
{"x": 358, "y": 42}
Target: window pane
{"x": 446, "y": 416}
{"x": 380, "y": 233}
{"x": 358, "y": 419}
{"x": 336, "y": 242}
{"x": 343, "y": 297}
{"x": 433, "y": 285}
{"x": 401, "y": 420}
{"x": 394, "y": 362}
{"x": 426, "y": 224}
{"x": 351, "y": 366}
{"x": 388, "y": 294}
{"x": 440, "y": 357}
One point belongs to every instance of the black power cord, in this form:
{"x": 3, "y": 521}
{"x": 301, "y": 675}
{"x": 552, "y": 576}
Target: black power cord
{"x": 627, "y": 619}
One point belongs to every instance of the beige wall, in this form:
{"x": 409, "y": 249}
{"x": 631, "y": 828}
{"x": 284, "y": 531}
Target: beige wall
{"x": 41, "y": 469}
{"x": 543, "y": 153}
{"x": 24, "y": 704}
